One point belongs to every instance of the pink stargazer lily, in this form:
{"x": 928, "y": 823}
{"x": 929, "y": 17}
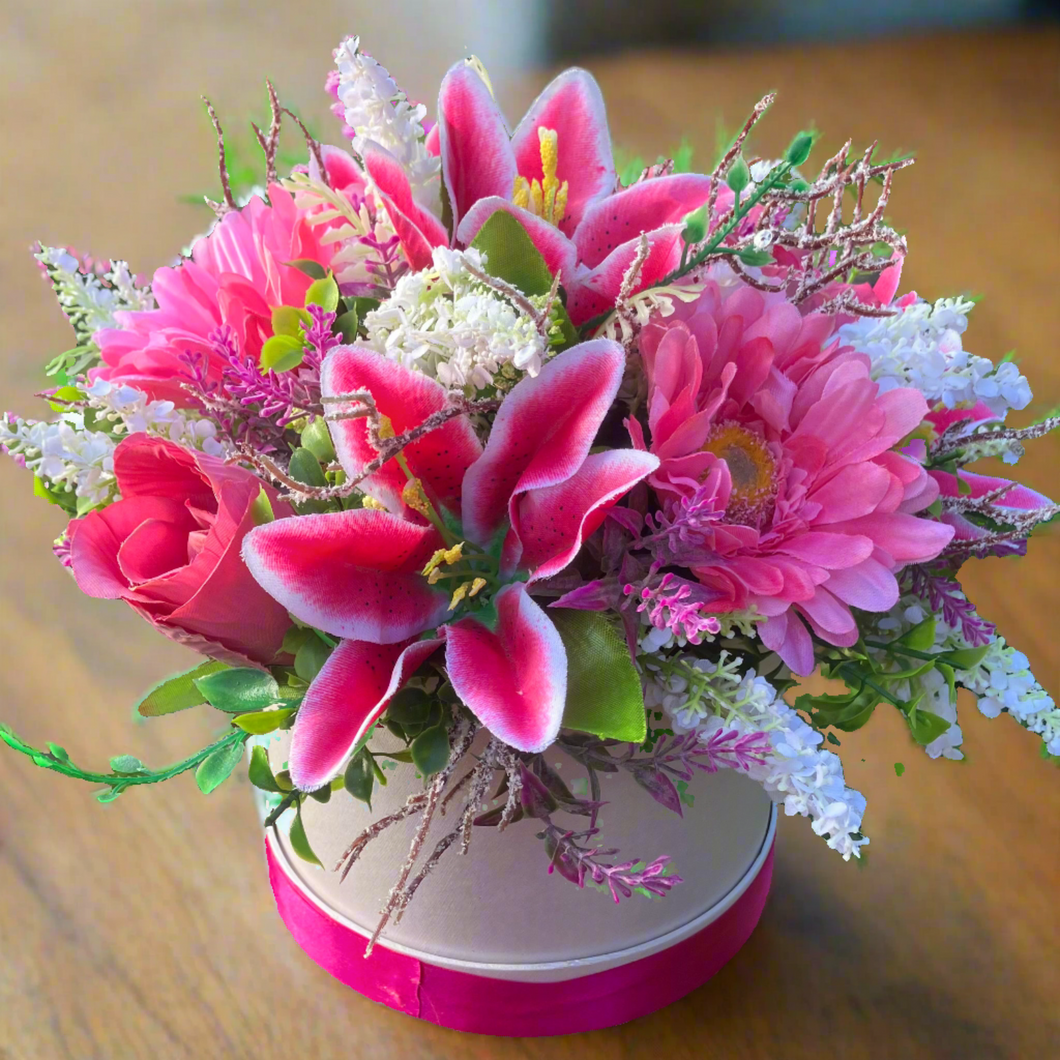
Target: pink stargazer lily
{"x": 556, "y": 175}
{"x": 532, "y": 496}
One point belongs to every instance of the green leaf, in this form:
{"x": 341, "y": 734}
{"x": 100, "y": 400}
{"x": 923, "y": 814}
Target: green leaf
{"x": 604, "y": 695}
{"x": 261, "y": 510}
{"x": 309, "y": 267}
{"x": 921, "y": 637}
{"x": 324, "y": 293}
{"x": 899, "y": 769}
{"x": 294, "y": 638}
{"x": 410, "y": 707}
{"x": 754, "y": 257}
{"x": 260, "y": 772}
{"x": 925, "y": 726}
{"x": 58, "y": 752}
{"x": 127, "y": 764}
{"x": 305, "y": 467}
{"x": 346, "y": 325}
{"x": 317, "y": 439}
{"x": 237, "y": 691}
{"x": 359, "y": 778}
{"x": 739, "y": 175}
{"x": 430, "y": 750}
{"x": 177, "y": 692}
{"x": 299, "y": 842}
{"x": 321, "y": 795}
{"x": 216, "y": 769}
{"x": 260, "y": 722}
{"x": 964, "y": 658}
{"x": 281, "y": 353}
{"x": 109, "y": 794}
{"x": 511, "y": 254}
{"x": 800, "y": 148}
{"x": 310, "y": 658}
{"x": 289, "y": 320}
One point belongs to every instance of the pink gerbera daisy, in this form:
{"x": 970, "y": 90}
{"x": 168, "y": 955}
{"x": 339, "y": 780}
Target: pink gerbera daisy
{"x": 816, "y": 509}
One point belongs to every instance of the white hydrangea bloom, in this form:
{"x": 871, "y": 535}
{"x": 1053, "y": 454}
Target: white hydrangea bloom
{"x": 445, "y": 322}
{"x": 379, "y": 111}
{"x": 71, "y": 457}
{"x": 920, "y": 347}
{"x": 1002, "y": 682}
{"x": 705, "y": 697}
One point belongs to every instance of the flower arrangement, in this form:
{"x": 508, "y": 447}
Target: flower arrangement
{"x": 452, "y": 445}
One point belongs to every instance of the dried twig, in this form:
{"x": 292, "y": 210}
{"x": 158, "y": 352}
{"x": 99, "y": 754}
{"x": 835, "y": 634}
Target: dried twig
{"x": 271, "y": 143}
{"x": 312, "y": 144}
{"x": 230, "y": 203}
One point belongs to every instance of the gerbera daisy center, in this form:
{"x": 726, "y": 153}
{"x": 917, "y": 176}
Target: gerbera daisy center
{"x": 751, "y": 468}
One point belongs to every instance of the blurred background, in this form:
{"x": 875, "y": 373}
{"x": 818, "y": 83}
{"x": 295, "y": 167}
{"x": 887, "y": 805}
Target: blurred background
{"x": 103, "y": 139}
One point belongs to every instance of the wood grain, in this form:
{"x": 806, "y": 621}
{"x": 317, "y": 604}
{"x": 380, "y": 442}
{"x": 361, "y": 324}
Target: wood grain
{"x": 146, "y": 928}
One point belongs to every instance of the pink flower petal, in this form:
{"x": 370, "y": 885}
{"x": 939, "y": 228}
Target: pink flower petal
{"x": 643, "y": 207}
{"x": 514, "y": 677}
{"x": 477, "y": 158}
{"x": 828, "y": 550}
{"x": 560, "y": 254}
{"x": 573, "y": 106}
{"x": 353, "y": 574}
{"x": 344, "y": 701}
{"x": 908, "y": 538}
{"x": 869, "y": 586}
{"x": 1017, "y": 496}
{"x": 552, "y": 523}
{"x": 439, "y": 459}
{"x": 790, "y": 639}
{"x": 542, "y": 432}
{"x": 418, "y": 229}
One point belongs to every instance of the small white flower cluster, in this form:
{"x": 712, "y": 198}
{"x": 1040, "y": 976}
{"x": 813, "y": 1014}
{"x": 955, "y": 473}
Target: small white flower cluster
{"x": 379, "y": 111}
{"x": 70, "y": 457}
{"x": 449, "y": 324}
{"x": 921, "y": 347}
{"x": 89, "y": 301}
{"x": 1002, "y": 682}
{"x": 705, "y": 697}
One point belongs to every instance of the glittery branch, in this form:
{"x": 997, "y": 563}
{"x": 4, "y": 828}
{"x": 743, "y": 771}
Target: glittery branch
{"x": 271, "y": 143}
{"x": 222, "y": 166}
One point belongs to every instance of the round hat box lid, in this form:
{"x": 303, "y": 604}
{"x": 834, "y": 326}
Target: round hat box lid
{"x": 498, "y": 912}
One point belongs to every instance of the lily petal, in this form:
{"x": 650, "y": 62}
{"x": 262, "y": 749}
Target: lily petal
{"x": 513, "y": 678}
{"x": 542, "y": 432}
{"x": 642, "y": 207}
{"x": 552, "y": 523}
{"x": 352, "y": 574}
{"x": 477, "y": 158}
{"x": 573, "y": 106}
{"x": 344, "y": 701}
{"x": 407, "y": 398}
{"x": 418, "y": 229}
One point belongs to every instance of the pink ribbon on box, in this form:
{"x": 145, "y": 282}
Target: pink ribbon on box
{"x": 482, "y": 1005}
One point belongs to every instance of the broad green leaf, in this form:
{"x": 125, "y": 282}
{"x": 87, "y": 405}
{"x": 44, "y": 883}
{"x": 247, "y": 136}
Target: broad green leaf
{"x": 604, "y": 695}
{"x": 261, "y": 722}
{"x": 346, "y": 325}
{"x": 58, "y": 752}
{"x": 60, "y": 399}
{"x": 410, "y": 707}
{"x": 281, "y": 353}
{"x": 177, "y": 692}
{"x": 260, "y": 772}
{"x": 321, "y": 795}
{"x": 324, "y": 293}
{"x": 289, "y": 320}
{"x": 921, "y": 637}
{"x": 305, "y": 467}
{"x": 310, "y": 658}
{"x": 511, "y": 254}
{"x": 299, "y": 842}
{"x": 261, "y": 510}
{"x": 294, "y": 638}
{"x": 964, "y": 658}
{"x": 754, "y": 257}
{"x": 238, "y": 691}
{"x": 309, "y": 267}
{"x": 430, "y": 750}
{"x": 216, "y": 769}
{"x": 925, "y": 726}
{"x": 317, "y": 439}
{"x": 359, "y": 778}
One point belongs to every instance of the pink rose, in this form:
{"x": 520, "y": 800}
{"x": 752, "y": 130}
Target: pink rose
{"x": 171, "y": 549}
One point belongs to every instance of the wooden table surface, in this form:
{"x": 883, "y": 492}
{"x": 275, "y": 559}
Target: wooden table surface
{"x": 147, "y": 929}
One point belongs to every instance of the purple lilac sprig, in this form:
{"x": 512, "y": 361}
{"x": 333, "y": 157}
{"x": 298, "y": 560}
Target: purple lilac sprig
{"x": 674, "y": 603}
{"x": 579, "y": 863}
{"x": 944, "y": 596}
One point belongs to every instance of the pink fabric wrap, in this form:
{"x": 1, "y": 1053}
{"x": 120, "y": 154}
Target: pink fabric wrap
{"x": 481, "y": 1005}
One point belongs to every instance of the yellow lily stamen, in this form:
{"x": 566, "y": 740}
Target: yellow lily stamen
{"x": 415, "y": 498}
{"x": 476, "y": 586}
{"x": 371, "y": 502}
{"x": 461, "y": 592}
{"x": 547, "y": 198}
